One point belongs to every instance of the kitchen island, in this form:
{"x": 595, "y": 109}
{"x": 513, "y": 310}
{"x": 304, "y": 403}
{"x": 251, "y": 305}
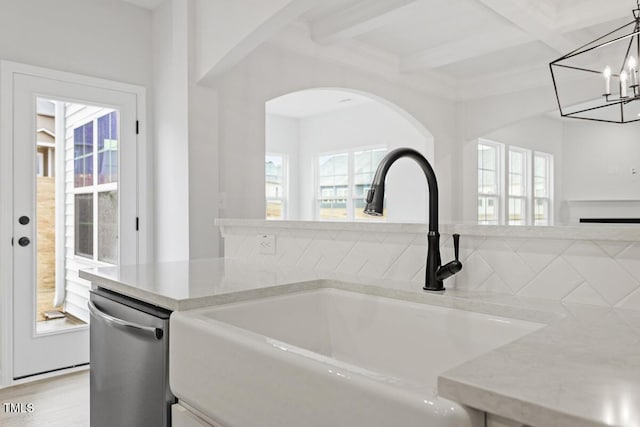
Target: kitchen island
{"x": 582, "y": 369}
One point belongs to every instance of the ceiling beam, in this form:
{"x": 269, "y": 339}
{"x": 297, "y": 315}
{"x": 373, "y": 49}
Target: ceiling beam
{"x": 526, "y": 15}
{"x": 449, "y": 53}
{"x": 358, "y": 19}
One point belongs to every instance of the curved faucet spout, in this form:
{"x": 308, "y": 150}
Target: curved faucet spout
{"x": 435, "y": 272}
{"x": 375, "y": 196}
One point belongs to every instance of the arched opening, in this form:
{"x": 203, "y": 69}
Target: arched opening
{"x": 322, "y": 148}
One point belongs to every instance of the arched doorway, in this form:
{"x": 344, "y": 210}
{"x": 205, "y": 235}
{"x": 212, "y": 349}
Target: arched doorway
{"x": 322, "y": 147}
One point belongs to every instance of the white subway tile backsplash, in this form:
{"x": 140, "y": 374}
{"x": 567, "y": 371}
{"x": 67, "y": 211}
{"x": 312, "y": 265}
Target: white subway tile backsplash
{"x": 585, "y": 294}
{"x": 556, "y": 281}
{"x": 612, "y": 248}
{"x": 506, "y": 263}
{"x": 597, "y": 272}
{"x": 408, "y": 264}
{"x": 600, "y": 271}
{"x": 630, "y": 259}
{"x": 539, "y": 253}
{"x": 632, "y": 301}
{"x": 475, "y": 271}
{"x": 495, "y": 284}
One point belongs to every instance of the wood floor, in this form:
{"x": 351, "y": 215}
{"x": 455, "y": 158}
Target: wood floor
{"x": 57, "y": 402}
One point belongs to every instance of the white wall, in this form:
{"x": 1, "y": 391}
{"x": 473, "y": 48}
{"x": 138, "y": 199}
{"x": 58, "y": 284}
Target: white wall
{"x": 204, "y": 238}
{"x": 479, "y": 117}
{"x": 101, "y": 38}
{"x": 598, "y": 161}
{"x": 227, "y": 31}
{"x": 272, "y": 71}
{"x": 186, "y": 135}
{"x": 171, "y": 130}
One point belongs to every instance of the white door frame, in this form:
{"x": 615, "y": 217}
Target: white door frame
{"x": 8, "y": 70}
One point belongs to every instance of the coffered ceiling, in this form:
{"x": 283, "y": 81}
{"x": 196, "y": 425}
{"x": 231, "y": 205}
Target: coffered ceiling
{"x": 479, "y": 47}
{"x": 462, "y": 49}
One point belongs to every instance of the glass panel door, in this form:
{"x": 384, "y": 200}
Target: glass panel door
{"x": 73, "y": 147}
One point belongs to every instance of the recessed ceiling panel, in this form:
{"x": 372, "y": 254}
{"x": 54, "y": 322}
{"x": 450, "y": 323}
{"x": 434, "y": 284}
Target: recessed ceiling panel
{"x": 588, "y": 34}
{"x": 432, "y": 23}
{"x": 532, "y": 54}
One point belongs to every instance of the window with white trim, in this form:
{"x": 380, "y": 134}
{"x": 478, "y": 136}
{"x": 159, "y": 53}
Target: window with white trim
{"x": 343, "y": 180}
{"x": 527, "y": 179}
{"x": 275, "y": 171}
{"x": 542, "y": 188}
{"x": 489, "y": 183}
{"x": 95, "y": 188}
{"x": 517, "y": 186}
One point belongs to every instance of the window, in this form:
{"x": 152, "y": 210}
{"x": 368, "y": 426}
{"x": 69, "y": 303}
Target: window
{"x": 518, "y": 194}
{"x": 95, "y": 160}
{"x": 542, "y": 188}
{"x": 333, "y": 186}
{"x": 343, "y": 182}
{"x": 489, "y": 183}
{"x": 528, "y": 178}
{"x": 275, "y": 186}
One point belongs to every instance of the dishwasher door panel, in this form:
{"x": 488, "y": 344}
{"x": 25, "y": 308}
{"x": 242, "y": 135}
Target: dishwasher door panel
{"x": 129, "y": 366}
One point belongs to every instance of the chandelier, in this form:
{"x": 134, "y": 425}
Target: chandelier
{"x": 599, "y": 81}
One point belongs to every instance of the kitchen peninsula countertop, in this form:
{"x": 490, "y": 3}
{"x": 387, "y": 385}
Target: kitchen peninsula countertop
{"x": 582, "y": 369}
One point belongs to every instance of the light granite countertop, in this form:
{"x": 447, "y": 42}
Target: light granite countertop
{"x": 582, "y": 369}
{"x": 611, "y": 232}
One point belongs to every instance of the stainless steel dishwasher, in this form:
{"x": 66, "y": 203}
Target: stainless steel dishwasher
{"x": 129, "y": 350}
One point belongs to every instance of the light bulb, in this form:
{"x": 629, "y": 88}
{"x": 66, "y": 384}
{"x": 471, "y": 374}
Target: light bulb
{"x": 632, "y": 70}
{"x": 607, "y": 80}
{"x": 623, "y": 84}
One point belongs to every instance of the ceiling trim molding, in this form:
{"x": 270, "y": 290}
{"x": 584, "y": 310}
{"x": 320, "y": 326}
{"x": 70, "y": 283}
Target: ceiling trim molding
{"x": 528, "y": 18}
{"x": 461, "y": 50}
{"x": 358, "y": 19}
{"x": 297, "y": 39}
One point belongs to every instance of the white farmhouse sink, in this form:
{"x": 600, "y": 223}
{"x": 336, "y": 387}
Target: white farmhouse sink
{"x": 328, "y": 357}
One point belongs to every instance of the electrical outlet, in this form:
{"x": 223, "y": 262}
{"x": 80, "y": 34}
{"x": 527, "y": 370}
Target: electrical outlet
{"x": 266, "y": 244}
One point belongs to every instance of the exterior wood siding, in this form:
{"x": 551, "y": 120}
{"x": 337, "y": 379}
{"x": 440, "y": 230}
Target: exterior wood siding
{"x": 76, "y": 289}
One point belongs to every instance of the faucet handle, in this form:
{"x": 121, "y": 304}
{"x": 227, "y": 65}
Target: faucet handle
{"x": 452, "y": 267}
{"x": 456, "y": 246}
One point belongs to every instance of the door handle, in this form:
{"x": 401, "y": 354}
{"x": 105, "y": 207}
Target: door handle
{"x": 156, "y": 333}
{"x": 24, "y": 241}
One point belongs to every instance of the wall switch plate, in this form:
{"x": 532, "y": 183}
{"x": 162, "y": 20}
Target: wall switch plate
{"x": 267, "y": 244}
